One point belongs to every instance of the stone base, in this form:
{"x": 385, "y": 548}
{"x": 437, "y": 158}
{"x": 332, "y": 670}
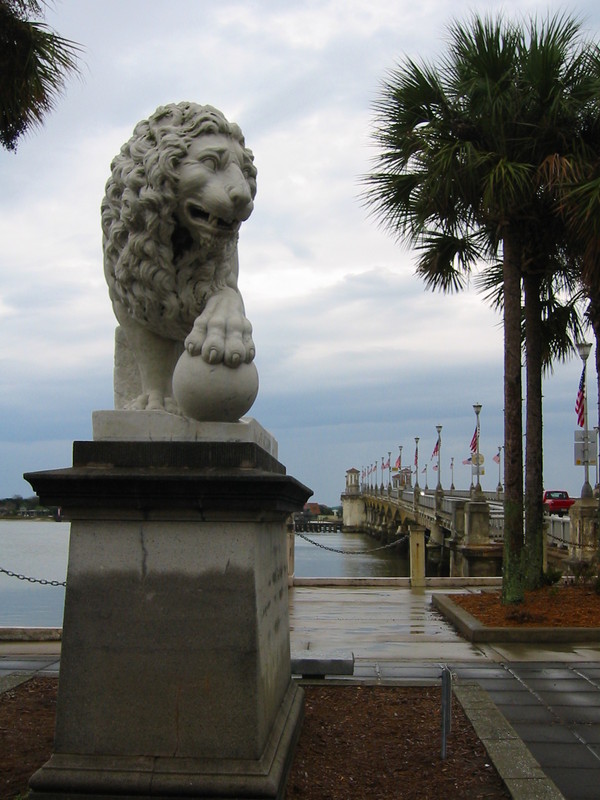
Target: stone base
{"x": 175, "y": 673}
{"x": 160, "y": 426}
{"x": 476, "y": 561}
{"x": 96, "y": 777}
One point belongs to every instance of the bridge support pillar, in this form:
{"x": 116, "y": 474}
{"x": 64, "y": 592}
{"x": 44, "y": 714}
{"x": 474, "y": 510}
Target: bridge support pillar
{"x": 584, "y": 530}
{"x": 417, "y": 555}
{"x": 354, "y": 513}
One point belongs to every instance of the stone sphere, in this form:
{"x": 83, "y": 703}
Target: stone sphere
{"x": 214, "y": 392}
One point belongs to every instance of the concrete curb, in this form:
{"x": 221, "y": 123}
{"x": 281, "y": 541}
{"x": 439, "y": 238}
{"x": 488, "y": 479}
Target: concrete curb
{"x": 30, "y": 634}
{"x": 521, "y": 773}
{"x": 8, "y": 682}
{"x": 399, "y": 583}
{"x": 473, "y": 630}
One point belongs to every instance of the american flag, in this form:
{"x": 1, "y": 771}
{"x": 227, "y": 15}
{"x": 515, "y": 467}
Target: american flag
{"x": 474, "y": 440}
{"x": 580, "y": 401}
{"x": 436, "y": 449}
{"x": 467, "y": 460}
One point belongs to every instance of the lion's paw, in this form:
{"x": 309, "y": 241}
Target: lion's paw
{"x": 222, "y": 334}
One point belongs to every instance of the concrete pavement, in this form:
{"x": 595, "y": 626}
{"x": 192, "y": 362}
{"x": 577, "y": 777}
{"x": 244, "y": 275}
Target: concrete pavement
{"x": 547, "y": 696}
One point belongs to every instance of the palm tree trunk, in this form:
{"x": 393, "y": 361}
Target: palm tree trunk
{"x": 512, "y": 580}
{"x": 534, "y": 486}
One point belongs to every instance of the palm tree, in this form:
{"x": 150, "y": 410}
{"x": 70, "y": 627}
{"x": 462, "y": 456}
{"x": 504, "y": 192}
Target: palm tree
{"x": 551, "y": 324}
{"x": 465, "y": 150}
{"x": 34, "y": 64}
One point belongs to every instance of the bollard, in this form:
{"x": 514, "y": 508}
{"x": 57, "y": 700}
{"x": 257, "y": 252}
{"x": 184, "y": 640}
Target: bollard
{"x": 446, "y": 707}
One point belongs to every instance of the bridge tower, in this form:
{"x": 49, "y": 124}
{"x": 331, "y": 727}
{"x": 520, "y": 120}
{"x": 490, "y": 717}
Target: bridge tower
{"x": 353, "y": 507}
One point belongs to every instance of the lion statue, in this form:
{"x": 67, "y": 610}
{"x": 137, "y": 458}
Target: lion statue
{"x": 178, "y": 192}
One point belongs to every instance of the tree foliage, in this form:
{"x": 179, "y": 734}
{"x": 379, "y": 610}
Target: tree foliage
{"x": 471, "y": 154}
{"x": 34, "y": 65}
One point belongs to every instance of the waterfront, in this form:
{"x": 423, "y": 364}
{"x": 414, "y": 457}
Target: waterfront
{"x": 314, "y": 561}
{"x": 39, "y": 549}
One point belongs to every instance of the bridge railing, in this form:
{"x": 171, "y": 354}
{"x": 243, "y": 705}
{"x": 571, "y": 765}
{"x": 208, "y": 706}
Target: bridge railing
{"x": 559, "y": 531}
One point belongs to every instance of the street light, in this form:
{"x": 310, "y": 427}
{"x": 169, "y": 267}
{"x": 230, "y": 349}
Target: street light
{"x": 416, "y": 462}
{"x": 499, "y": 487}
{"x": 583, "y": 348}
{"x": 596, "y": 432}
{"x": 477, "y": 410}
{"x": 439, "y": 466}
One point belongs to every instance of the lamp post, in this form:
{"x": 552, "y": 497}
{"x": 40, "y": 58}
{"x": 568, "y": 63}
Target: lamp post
{"x": 499, "y": 487}
{"x": 452, "y": 474}
{"x": 389, "y": 468}
{"x": 596, "y": 432}
{"x": 439, "y": 465}
{"x": 399, "y": 467}
{"x": 477, "y": 410}
{"x": 583, "y": 348}
{"x": 416, "y": 463}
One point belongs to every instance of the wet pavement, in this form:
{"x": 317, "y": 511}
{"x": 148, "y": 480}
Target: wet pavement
{"x": 548, "y": 694}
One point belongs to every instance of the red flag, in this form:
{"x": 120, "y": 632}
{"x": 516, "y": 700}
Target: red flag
{"x": 397, "y": 464}
{"x": 474, "y": 440}
{"x": 436, "y": 449}
{"x": 580, "y": 401}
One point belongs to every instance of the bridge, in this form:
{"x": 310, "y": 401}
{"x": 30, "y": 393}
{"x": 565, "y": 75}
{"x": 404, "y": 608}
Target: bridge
{"x": 463, "y": 531}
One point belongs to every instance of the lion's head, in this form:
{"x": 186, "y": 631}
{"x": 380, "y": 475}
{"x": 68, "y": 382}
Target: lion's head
{"x": 178, "y": 193}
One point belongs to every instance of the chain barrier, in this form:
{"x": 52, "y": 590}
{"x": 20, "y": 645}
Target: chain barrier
{"x": 348, "y": 552}
{"x": 42, "y": 581}
{"x": 561, "y": 541}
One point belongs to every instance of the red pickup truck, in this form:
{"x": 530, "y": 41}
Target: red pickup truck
{"x": 557, "y": 502}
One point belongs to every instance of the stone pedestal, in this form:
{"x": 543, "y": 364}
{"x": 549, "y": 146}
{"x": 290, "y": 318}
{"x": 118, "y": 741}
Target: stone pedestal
{"x": 417, "y": 555}
{"x": 584, "y": 530}
{"x": 175, "y": 671}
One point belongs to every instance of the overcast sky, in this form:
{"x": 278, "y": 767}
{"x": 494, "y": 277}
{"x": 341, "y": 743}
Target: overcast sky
{"x": 355, "y": 358}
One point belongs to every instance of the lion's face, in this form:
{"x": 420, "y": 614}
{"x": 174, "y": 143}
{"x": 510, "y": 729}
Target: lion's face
{"x": 216, "y": 187}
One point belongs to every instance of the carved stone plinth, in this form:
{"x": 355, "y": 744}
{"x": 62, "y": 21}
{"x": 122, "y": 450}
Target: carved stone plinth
{"x": 175, "y": 669}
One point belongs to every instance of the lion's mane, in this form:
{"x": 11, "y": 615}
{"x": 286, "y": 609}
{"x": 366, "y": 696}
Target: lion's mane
{"x": 162, "y": 283}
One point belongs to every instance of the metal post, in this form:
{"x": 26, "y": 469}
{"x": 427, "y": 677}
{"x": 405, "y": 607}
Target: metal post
{"x": 446, "y": 707}
{"x": 389, "y": 467}
{"x": 417, "y": 462}
{"x": 499, "y": 488}
{"x": 477, "y": 410}
{"x": 596, "y": 431}
{"x": 583, "y": 348}
{"x": 400, "y": 467}
{"x": 452, "y": 474}
{"x": 439, "y": 452}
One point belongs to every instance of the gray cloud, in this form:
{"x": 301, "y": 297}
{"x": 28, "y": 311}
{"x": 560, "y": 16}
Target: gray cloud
{"x": 354, "y": 356}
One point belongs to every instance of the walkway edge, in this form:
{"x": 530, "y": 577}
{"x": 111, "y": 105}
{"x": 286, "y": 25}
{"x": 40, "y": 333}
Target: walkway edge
{"x": 521, "y": 773}
{"x": 473, "y": 630}
{"x": 30, "y": 634}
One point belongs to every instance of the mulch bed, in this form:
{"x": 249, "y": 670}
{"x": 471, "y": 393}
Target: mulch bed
{"x": 356, "y": 742}
{"x": 384, "y": 742}
{"x": 559, "y": 606}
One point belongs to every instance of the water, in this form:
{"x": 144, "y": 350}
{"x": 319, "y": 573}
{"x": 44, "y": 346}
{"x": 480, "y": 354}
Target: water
{"x": 40, "y": 550}
{"x": 316, "y": 562}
